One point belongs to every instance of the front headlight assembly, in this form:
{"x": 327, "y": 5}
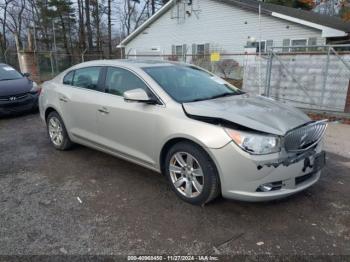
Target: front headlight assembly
{"x": 254, "y": 143}
{"x": 35, "y": 89}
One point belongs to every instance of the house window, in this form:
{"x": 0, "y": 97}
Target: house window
{"x": 300, "y": 45}
{"x": 263, "y": 46}
{"x": 200, "y": 51}
{"x": 266, "y": 45}
{"x": 269, "y": 45}
{"x": 286, "y": 44}
{"x": 178, "y": 51}
{"x": 312, "y": 42}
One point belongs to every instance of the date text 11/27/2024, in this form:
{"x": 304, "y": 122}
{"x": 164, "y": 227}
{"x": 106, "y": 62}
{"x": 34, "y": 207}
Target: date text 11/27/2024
{"x": 173, "y": 258}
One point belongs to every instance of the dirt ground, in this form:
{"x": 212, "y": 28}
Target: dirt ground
{"x": 126, "y": 209}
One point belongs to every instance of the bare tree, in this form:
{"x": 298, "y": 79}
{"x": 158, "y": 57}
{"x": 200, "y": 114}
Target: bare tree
{"x": 109, "y": 22}
{"x": 92, "y": 26}
{"x": 153, "y": 4}
{"x": 15, "y": 20}
{"x": 88, "y": 25}
{"x": 132, "y": 15}
{"x": 3, "y": 21}
{"x": 97, "y": 13}
{"x": 227, "y": 66}
{"x": 82, "y": 34}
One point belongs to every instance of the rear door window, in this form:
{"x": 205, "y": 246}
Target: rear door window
{"x": 68, "y": 78}
{"x": 87, "y": 77}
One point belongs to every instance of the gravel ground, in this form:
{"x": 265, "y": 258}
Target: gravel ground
{"x": 86, "y": 202}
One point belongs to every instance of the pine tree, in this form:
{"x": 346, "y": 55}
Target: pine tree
{"x": 62, "y": 14}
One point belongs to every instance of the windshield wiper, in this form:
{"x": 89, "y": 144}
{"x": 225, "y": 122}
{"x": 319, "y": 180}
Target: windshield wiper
{"x": 223, "y": 95}
{"x": 216, "y": 96}
{"x": 220, "y": 95}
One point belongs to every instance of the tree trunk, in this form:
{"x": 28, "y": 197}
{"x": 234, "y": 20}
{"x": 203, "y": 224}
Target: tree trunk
{"x": 4, "y": 44}
{"x": 109, "y": 29}
{"x": 19, "y": 41}
{"x": 153, "y": 6}
{"x": 98, "y": 33}
{"x": 70, "y": 35}
{"x": 82, "y": 37}
{"x": 18, "y": 48}
{"x": 88, "y": 25}
{"x": 130, "y": 11}
{"x": 64, "y": 32}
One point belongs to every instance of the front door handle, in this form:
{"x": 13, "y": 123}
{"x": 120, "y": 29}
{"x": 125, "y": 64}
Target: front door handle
{"x": 103, "y": 110}
{"x": 63, "y": 99}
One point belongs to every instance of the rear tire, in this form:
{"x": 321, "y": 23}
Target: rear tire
{"x": 191, "y": 173}
{"x": 57, "y": 132}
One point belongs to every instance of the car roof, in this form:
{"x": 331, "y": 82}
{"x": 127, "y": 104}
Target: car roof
{"x": 132, "y": 64}
{"x": 129, "y": 63}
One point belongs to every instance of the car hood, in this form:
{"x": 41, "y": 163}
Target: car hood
{"x": 16, "y": 86}
{"x": 255, "y": 112}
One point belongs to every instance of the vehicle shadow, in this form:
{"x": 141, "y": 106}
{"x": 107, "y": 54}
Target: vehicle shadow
{"x": 140, "y": 173}
{"x": 19, "y": 114}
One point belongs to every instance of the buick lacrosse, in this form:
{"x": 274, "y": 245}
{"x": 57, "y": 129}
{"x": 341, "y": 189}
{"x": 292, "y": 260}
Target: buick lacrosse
{"x": 205, "y": 135}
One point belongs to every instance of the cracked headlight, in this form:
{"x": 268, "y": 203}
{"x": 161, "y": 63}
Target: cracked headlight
{"x": 255, "y": 143}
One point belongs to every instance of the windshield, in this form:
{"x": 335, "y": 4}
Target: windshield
{"x": 8, "y": 73}
{"x": 189, "y": 84}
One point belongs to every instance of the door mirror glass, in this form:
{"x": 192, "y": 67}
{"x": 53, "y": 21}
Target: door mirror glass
{"x": 137, "y": 95}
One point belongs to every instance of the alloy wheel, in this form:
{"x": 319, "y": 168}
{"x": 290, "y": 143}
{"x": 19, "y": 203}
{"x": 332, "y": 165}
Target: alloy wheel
{"x": 55, "y": 131}
{"x": 186, "y": 174}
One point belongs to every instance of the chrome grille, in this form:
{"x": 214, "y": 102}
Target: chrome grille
{"x": 304, "y": 137}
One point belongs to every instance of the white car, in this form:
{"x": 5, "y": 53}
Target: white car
{"x": 205, "y": 135}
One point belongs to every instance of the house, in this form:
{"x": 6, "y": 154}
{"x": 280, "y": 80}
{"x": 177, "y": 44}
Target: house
{"x": 197, "y": 31}
{"x": 184, "y": 28}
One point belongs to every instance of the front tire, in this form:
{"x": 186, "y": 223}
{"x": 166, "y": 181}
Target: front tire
{"x": 57, "y": 132}
{"x": 192, "y": 174}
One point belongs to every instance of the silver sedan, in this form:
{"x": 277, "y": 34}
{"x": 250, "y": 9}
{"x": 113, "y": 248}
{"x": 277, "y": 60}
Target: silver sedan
{"x": 206, "y": 136}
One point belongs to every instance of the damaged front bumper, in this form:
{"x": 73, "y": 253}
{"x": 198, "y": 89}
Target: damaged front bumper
{"x": 245, "y": 177}
{"x": 294, "y": 158}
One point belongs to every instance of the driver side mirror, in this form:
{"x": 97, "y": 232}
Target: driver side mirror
{"x": 138, "y": 95}
{"x": 26, "y": 74}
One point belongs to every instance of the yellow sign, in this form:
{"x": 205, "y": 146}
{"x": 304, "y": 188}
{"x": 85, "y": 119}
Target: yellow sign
{"x": 215, "y": 57}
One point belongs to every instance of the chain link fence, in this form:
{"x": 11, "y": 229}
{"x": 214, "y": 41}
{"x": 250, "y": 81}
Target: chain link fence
{"x": 230, "y": 66}
{"x": 51, "y": 63}
{"x": 314, "y": 78}
{"x": 307, "y": 77}
{"x": 10, "y": 57}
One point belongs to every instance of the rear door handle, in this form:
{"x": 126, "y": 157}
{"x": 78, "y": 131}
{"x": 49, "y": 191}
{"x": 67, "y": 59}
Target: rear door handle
{"x": 63, "y": 99}
{"x": 103, "y": 110}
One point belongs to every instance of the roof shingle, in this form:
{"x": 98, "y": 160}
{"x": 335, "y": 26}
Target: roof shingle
{"x": 325, "y": 20}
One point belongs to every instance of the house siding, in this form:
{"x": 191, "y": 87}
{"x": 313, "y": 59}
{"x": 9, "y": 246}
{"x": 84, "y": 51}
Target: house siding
{"x": 225, "y": 27}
